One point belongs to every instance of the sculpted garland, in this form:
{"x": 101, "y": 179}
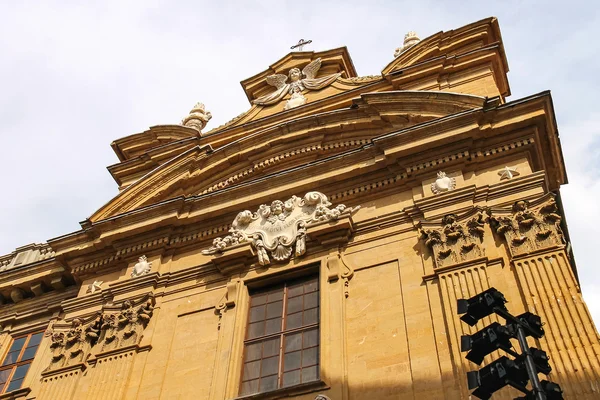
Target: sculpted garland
{"x": 274, "y": 229}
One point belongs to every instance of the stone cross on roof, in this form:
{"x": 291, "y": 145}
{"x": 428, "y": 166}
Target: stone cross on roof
{"x": 300, "y": 45}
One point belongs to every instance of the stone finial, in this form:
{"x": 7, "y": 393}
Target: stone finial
{"x": 410, "y": 39}
{"x": 198, "y": 117}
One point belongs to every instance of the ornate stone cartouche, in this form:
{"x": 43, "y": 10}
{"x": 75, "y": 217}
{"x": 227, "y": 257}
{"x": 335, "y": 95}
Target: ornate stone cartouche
{"x": 142, "y": 267}
{"x": 274, "y": 229}
{"x": 443, "y": 183}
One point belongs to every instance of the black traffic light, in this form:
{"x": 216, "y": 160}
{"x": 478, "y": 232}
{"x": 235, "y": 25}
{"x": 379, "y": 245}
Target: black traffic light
{"x": 495, "y": 376}
{"x": 487, "y": 340}
{"x": 533, "y": 324}
{"x": 481, "y": 305}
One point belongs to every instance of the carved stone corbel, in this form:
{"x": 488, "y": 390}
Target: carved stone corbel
{"x": 227, "y": 301}
{"x": 529, "y": 227}
{"x": 339, "y": 268}
{"x": 456, "y": 239}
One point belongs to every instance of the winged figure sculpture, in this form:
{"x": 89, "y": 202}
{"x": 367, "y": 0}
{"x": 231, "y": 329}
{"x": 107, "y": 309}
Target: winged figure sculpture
{"x": 298, "y": 82}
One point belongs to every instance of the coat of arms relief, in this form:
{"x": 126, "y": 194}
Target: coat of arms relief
{"x": 299, "y": 81}
{"x": 274, "y": 230}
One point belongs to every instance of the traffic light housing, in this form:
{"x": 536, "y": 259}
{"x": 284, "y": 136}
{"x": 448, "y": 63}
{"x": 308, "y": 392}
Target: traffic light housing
{"x": 495, "y": 376}
{"x": 481, "y": 305}
{"x": 485, "y": 341}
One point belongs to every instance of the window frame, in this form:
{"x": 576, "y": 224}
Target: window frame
{"x": 13, "y": 366}
{"x": 284, "y": 283}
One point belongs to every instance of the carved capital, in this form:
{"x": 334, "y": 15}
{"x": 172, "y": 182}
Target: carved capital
{"x": 124, "y": 327}
{"x": 456, "y": 239}
{"x": 529, "y": 227}
{"x": 275, "y": 230}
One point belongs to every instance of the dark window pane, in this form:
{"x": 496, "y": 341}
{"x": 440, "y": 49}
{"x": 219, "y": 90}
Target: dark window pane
{"x": 255, "y": 330}
{"x": 275, "y": 295}
{"x": 273, "y": 326}
{"x": 310, "y": 374}
{"x": 311, "y": 316}
{"x": 311, "y": 286}
{"x": 35, "y": 339}
{"x": 249, "y": 387}
{"x": 309, "y": 357}
{"x": 21, "y": 371}
{"x": 292, "y": 361}
{"x": 258, "y": 299}
{"x": 295, "y": 290}
{"x": 251, "y": 370}
{"x": 311, "y": 300}
{"x": 269, "y": 366}
{"x": 17, "y": 344}
{"x": 11, "y": 357}
{"x": 14, "y": 385}
{"x": 274, "y": 309}
{"x": 311, "y": 338}
{"x": 291, "y": 378}
{"x": 4, "y": 374}
{"x": 257, "y": 313}
{"x": 271, "y": 347}
{"x": 253, "y": 351}
{"x": 268, "y": 383}
{"x": 294, "y": 305}
{"x": 293, "y": 342}
{"x": 29, "y": 353}
{"x": 294, "y": 321}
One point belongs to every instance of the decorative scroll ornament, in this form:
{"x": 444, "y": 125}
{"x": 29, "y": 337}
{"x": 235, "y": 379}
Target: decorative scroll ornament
{"x": 73, "y": 345}
{"x": 273, "y": 230}
{"x": 124, "y": 328}
{"x": 296, "y": 85}
{"x": 443, "y": 183}
{"x": 410, "y": 39}
{"x": 528, "y": 229}
{"x": 456, "y": 241}
{"x": 141, "y": 268}
{"x": 198, "y": 117}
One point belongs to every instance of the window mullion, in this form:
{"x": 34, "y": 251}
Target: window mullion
{"x": 282, "y": 337}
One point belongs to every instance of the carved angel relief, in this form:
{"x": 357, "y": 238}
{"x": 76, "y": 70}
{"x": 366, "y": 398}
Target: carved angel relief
{"x": 273, "y": 230}
{"x": 457, "y": 241}
{"x": 296, "y": 85}
{"x": 527, "y": 230}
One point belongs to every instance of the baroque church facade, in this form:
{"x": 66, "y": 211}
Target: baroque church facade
{"x": 314, "y": 246}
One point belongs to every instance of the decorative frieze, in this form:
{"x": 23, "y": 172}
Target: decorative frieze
{"x": 72, "y": 346}
{"x": 529, "y": 227}
{"x": 117, "y": 327}
{"x": 458, "y": 239}
{"x": 275, "y": 229}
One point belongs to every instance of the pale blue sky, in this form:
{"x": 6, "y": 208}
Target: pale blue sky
{"x": 74, "y": 76}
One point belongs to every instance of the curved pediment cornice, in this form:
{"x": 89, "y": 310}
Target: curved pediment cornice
{"x": 202, "y": 170}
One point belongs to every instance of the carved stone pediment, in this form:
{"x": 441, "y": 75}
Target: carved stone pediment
{"x": 274, "y": 229}
{"x": 456, "y": 239}
{"x": 528, "y": 227}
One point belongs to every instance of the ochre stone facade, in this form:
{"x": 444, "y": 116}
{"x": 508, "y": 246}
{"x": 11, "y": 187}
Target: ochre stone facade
{"x": 402, "y": 192}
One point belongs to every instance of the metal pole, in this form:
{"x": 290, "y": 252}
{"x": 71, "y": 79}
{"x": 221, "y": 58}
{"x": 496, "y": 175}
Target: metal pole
{"x": 529, "y": 365}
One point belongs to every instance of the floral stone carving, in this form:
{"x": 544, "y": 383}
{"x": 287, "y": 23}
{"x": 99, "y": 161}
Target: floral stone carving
{"x": 142, "y": 267}
{"x": 73, "y": 346}
{"x": 526, "y": 228}
{"x": 125, "y": 327}
{"x": 273, "y": 230}
{"x": 458, "y": 240}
